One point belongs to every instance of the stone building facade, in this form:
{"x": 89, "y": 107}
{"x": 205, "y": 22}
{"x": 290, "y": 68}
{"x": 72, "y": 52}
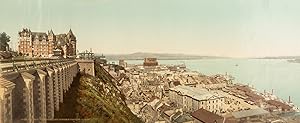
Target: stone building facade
{"x": 193, "y": 98}
{"x": 86, "y": 66}
{"x": 6, "y": 88}
{"x": 34, "y": 94}
{"x": 41, "y": 44}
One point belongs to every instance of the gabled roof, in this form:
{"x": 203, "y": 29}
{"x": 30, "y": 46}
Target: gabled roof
{"x": 163, "y": 108}
{"x": 249, "y": 113}
{"x": 25, "y": 30}
{"x": 206, "y": 116}
{"x": 183, "y": 118}
{"x": 196, "y": 93}
{"x": 61, "y": 35}
{"x": 39, "y": 33}
{"x": 279, "y": 104}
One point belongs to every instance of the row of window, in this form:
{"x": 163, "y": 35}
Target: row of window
{"x": 41, "y": 53}
{"x": 44, "y": 43}
{"x": 25, "y": 42}
{"x": 213, "y": 108}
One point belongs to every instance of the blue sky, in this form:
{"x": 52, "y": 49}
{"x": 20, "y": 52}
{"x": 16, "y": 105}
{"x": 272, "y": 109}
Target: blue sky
{"x": 237, "y": 28}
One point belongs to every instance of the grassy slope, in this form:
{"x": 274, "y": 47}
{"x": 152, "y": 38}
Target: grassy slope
{"x": 97, "y": 98}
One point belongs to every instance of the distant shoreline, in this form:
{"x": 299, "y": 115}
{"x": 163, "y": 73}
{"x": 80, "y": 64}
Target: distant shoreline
{"x": 289, "y": 60}
{"x": 294, "y": 60}
{"x": 161, "y": 58}
{"x": 170, "y": 56}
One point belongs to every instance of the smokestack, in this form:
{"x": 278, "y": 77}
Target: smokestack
{"x": 264, "y": 91}
{"x": 290, "y": 99}
{"x": 272, "y": 91}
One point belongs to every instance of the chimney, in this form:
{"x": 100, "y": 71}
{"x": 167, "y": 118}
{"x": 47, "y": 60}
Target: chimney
{"x": 290, "y": 99}
{"x": 272, "y": 91}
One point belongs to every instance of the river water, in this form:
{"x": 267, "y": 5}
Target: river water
{"x": 264, "y": 74}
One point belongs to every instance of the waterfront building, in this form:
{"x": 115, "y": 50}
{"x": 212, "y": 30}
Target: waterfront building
{"x": 250, "y": 115}
{"x": 122, "y": 63}
{"x": 150, "y": 62}
{"x": 277, "y": 106}
{"x": 42, "y": 44}
{"x": 192, "y": 99}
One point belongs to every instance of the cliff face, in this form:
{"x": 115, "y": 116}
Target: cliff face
{"x": 96, "y": 98}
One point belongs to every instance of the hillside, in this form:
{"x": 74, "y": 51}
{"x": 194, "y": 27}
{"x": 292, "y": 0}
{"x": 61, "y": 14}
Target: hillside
{"x": 96, "y": 98}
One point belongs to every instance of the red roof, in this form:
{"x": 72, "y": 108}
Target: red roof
{"x": 243, "y": 88}
{"x": 207, "y": 117}
{"x": 163, "y": 108}
{"x": 176, "y": 83}
{"x": 279, "y": 104}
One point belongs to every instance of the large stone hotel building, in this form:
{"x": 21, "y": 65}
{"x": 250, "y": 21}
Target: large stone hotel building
{"x": 41, "y": 44}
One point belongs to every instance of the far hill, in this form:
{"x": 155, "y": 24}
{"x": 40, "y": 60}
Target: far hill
{"x": 282, "y": 57}
{"x": 161, "y": 56}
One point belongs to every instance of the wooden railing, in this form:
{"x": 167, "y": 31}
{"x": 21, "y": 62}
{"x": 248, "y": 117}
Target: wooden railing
{"x": 9, "y": 65}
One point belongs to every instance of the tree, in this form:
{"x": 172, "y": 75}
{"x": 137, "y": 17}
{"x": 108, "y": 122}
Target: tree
{"x": 4, "y": 39}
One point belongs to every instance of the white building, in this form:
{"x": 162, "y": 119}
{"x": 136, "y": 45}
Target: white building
{"x": 192, "y": 99}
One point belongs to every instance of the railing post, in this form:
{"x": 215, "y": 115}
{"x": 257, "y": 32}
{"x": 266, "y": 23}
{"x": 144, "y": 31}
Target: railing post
{"x": 27, "y": 67}
{"x": 15, "y": 67}
{"x": 34, "y": 64}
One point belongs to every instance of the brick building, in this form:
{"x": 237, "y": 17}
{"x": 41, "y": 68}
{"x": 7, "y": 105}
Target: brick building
{"x": 150, "y": 62}
{"x": 41, "y": 44}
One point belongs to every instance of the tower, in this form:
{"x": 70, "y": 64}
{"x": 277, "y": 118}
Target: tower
{"x": 51, "y": 41}
{"x": 25, "y": 42}
{"x": 72, "y": 43}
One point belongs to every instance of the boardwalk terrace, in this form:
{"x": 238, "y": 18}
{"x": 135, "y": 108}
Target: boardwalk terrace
{"x": 32, "y": 90}
{"x": 192, "y": 99}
